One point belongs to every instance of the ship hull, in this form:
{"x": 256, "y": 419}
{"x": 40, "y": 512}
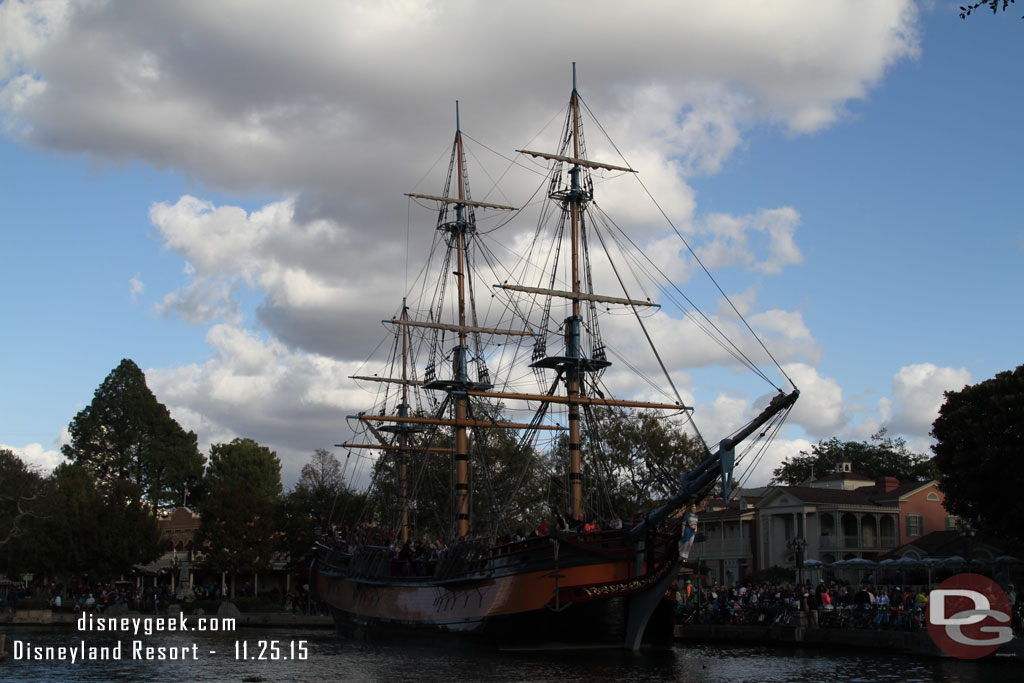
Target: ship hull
{"x": 522, "y": 599}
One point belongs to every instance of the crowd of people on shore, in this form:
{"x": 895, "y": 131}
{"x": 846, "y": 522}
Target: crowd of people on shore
{"x": 826, "y": 605}
{"x": 100, "y": 597}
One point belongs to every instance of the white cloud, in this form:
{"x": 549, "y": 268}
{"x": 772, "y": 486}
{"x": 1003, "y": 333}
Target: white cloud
{"x": 294, "y": 403}
{"x": 135, "y": 287}
{"x": 820, "y": 410}
{"x": 268, "y": 100}
{"x": 37, "y": 457}
{"x": 731, "y": 241}
{"x": 918, "y": 395}
{"x": 261, "y": 95}
{"x": 760, "y": 472}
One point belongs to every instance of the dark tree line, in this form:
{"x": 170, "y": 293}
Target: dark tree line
{"x": 979, "y": 450}
{"x": 128, "y": 461}
{"x": 881, "y": 456}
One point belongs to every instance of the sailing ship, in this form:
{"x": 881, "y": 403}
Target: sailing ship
{"x": 589, "y": 571}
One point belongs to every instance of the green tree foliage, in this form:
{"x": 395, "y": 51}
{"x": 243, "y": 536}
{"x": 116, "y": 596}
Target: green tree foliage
{"x": 509, "y": 480}
{"x": 994, "y": 5}
{"x": 507, "y": 483}
{"x": 881, "y": 457}
{"x": 246, "y": 463}
{"x": 21, "y": 496}
{"x": 237, "y": 529}
{"x": 96, "y": 532}
{"x": 979, "y": 437}
{"x": 24, "y": 505}
{"x": 320, "y": 498}
{"x": 430, "y": 477}
{"x": 126, "y": 435}
{"x": 631, "y": 462}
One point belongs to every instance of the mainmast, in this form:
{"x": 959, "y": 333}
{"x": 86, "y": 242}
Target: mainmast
{"x": 573, "y": 324}
{"x": 403, "y": 443}
{"x": 461, "y": 364}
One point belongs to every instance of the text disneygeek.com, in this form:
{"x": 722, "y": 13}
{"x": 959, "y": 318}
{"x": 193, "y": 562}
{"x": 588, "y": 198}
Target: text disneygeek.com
{"x": 139, "y": 649}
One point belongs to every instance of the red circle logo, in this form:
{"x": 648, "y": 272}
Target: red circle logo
{"x": 969, "y": 616}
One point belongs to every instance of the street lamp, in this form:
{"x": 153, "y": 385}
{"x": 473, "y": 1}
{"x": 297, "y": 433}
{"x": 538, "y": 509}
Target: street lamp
{"x": 797, "y": 545}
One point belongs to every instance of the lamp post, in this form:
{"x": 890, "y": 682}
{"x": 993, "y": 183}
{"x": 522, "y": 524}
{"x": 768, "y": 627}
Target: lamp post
{"x": 797, "y": 545}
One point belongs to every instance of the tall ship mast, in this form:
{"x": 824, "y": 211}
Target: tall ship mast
{"x": 531, "y": 504}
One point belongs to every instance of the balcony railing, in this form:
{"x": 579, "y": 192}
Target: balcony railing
{"x": 851, "y": 541}
{"x": 729, "y": 547}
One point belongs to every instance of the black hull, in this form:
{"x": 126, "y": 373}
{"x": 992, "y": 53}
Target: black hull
{"x": 595, "y": 624}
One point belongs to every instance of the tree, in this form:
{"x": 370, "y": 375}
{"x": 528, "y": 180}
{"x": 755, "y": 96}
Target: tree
{"x": 89, "y": 530}
{"x": 21, "y": 496}
{"x": 979, "y": 439}
{"x": 125, "y": 434}
{"x": 509, "y": 479}
{"x": 320, "y": 498}
{"x": 321, "y": 477}
{"x": 882, "y": 457}
{"x": 245, "y": 463}
{"x": 24, "y": 504}
{"x": 237, "y": 529}
{"x": 967, "y": 10}
{"x": 501, "y": 470}
{"x": 631, "y": 461}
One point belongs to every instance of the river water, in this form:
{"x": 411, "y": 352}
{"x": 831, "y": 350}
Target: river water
{"x": 320, "y": 656}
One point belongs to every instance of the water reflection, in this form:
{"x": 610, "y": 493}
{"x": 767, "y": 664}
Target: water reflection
{"x": 331, "y": 658}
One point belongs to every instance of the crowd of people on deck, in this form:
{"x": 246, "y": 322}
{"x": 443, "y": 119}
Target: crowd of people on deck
{"x": 834, "y": 604}
{"x": 419, "y": 557}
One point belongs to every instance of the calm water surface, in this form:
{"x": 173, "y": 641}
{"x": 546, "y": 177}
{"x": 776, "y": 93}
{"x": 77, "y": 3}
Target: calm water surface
{"x": 330, "y": 658}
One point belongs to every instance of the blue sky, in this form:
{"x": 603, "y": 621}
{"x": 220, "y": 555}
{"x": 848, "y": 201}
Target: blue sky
{"x": 912, "y": 239}
{"x": 216, "y": 195}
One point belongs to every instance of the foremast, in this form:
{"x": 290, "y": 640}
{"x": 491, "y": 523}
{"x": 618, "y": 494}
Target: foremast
{"x": 458, "y": 386}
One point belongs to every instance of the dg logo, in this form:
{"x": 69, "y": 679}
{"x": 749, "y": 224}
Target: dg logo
{"x": 969, "y": 616}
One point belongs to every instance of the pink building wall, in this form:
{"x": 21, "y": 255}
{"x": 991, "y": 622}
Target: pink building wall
{"x": 933, "y": 515}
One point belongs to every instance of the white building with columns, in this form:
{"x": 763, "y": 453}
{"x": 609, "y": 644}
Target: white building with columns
{"x": 841, "y": 516}
{"x": 836, "y": 524}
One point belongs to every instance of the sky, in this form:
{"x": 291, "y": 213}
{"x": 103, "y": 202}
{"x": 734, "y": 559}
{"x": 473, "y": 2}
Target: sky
{"x": 214, "y": 190}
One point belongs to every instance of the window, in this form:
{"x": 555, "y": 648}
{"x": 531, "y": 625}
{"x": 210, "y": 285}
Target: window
{"x": 915, "y": 525}
{"x": 933, "y": 497}
{"x": 952, "y": 524}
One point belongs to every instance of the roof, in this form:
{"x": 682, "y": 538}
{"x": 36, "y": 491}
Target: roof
{"x": 810, "y": 494}
{"x": 751, "y": 493}
{"x": 945, "y": 544}
{"x": 716, "y": 504}
{"x": 731, "y": 512}
{"x": 842, "y": 476}
{"x": 902, "y": 489}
